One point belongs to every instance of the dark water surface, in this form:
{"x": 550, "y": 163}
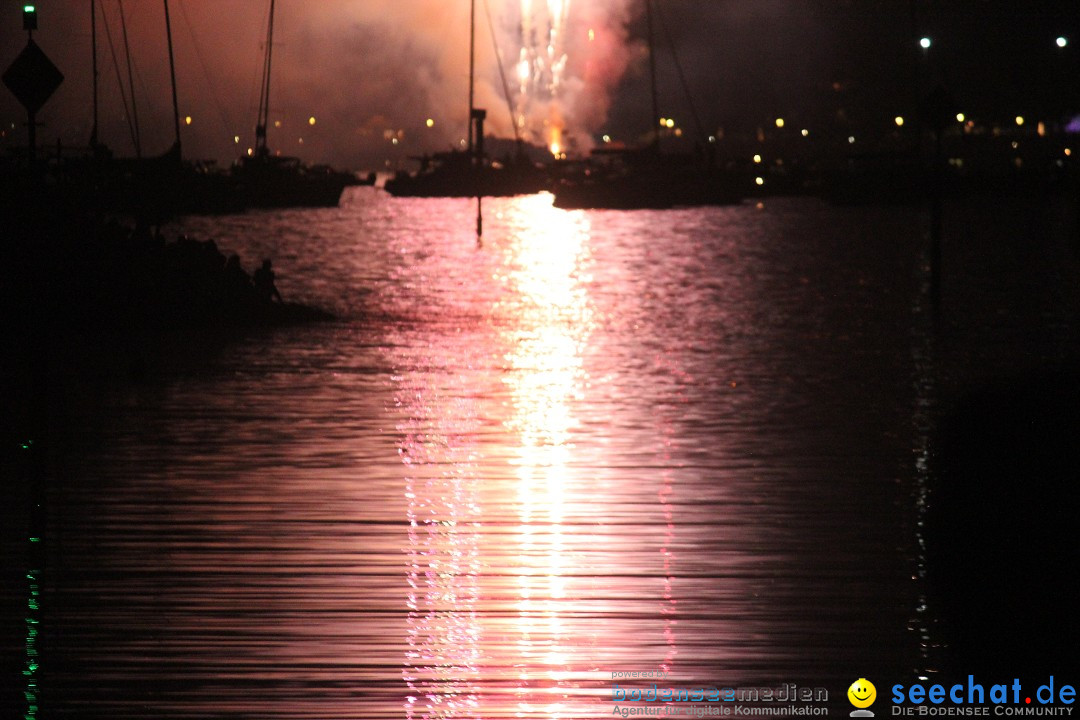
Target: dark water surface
{"x": 684, "y": 440}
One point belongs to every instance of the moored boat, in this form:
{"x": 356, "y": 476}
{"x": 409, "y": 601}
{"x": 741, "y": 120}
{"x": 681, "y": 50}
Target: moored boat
{"x": 268, "y": 180}
{"x": 645, "y": 179}
{"x": 470, "y": 172}
{"x": 457, "y": 174}
{"x": 648, "y": 177}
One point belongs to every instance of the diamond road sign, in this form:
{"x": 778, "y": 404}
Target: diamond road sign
{"x": 33, "y": 78}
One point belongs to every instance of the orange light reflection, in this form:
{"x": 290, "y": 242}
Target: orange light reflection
{"x": 553, "y": 321}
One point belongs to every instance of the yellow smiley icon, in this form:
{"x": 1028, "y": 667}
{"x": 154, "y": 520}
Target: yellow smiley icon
{"x": 862, "y": 693}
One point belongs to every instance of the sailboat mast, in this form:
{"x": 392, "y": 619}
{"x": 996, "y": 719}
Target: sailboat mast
{"x": 264, "y": 97}
{"x": 502, "y": 76}
{"x": 131, "y": 81}
{"x": 172, "y": 77}
{"x": 472, "y": 67}
{"x": 652, "y": 75}
{"x": 93, "y": 65}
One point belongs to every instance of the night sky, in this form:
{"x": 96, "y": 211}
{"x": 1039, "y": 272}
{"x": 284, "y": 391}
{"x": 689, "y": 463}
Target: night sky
{"x": 371, "y": 71}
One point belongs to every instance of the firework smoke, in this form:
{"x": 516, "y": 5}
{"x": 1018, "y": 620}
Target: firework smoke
{"x": 569, "y": 61}
{"x": 370, "y": 71}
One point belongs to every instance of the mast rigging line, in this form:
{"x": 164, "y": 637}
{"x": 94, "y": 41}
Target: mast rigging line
{"x": 264, "y": 92}
{"x": 172, "y": 76}
{"x": 226, "y": 121}
{"x": 472, "y": 67}
{"x": 119, "y": 78}
{"x": 682, "y": 76}
{"x": 94, "y": 70}
{"x": 131, "y": 80}
{"x": 255, "y": 84}
{"x": 502, "y": 72}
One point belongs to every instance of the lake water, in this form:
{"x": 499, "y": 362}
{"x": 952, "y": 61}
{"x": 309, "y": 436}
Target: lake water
{"x": 683, "y": 440}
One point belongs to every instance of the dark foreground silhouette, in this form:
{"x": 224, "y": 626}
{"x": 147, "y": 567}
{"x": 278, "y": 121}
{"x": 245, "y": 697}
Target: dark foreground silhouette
{"x": 71, "y": 273}
{"x": 1002, "y": 528}
{"x": 88, "y": 303}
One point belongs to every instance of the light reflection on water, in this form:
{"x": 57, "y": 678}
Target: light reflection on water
{"x": 468, "y": 526}
{"x": 544, "y": 376}
{"x": 603, "y": 441}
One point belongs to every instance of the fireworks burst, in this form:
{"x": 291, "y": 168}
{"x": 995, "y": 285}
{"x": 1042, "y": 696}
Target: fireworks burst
{"x": 541, "y": 70}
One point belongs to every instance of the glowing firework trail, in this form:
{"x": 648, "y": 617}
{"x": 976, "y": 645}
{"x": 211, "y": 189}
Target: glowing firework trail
{"x": 540, "y": 69}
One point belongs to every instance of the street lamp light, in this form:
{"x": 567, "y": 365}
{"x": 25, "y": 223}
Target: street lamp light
{"x": 924, "y": 43}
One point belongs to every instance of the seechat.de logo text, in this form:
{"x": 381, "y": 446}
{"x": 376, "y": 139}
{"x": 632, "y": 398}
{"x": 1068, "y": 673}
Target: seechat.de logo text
{"x": 973, "y": 698}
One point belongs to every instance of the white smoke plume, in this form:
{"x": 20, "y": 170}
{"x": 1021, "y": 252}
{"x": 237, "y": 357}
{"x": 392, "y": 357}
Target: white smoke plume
{"x": 372, "y": 73}
{"x": 570, "y": 58}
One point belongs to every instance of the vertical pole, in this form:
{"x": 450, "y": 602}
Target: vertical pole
{"x": 31, "y": 137}
{"x": 31, "y": 119}
{"x": 131, "y": 81}
{"x": 269, "y": 60}
{"x": 479, "y": 116}
{"x": 479, "y": 220}
{"x": 472, "y": 68}
{"x": 93, "y": 65}
{"x": 264, "y": 91}
{"x": 652, "y": 75}
{"x": 172, "y": 77}
{"x": 479, "y": 172}
{"x": 472, "y": 139}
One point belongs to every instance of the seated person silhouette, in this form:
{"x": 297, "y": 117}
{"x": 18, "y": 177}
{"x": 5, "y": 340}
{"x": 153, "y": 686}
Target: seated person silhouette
{"x": 265, "y": 289}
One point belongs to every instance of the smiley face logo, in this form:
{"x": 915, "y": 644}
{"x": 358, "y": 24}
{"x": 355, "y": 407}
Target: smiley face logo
{"x": 862, "y": 693}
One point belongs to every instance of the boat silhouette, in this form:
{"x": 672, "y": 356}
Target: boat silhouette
{"x": 647, "y": 177}
{"x": 644, "y": 178}
{"x": 159, "y": 186}
{"x": 264, "y": 179}
{"x": 470, "y": 172}
{"x": 461, "y": 173}
{"x": 150, "y": 187}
